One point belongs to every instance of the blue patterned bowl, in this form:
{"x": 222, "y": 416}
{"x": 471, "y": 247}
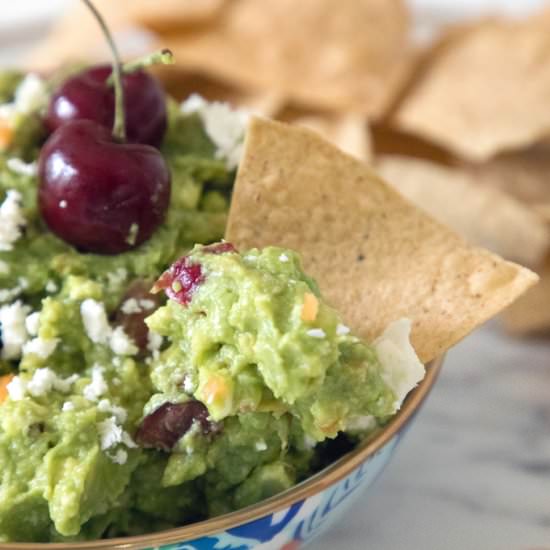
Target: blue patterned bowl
{"x": 291, "y": 519}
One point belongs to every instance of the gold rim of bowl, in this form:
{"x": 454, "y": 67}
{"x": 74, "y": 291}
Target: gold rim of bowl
{"x": 311, "y": 486}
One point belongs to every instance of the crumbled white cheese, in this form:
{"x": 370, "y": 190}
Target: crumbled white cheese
{"x": 51, "y": 287}
{"x": 14, "y": 332}
{"x": 128, "y": 441}
{"x": 130, "y": 306}
{"x": 316, "y": 333}
{"x": 121, "y": 343}
{"x": 342, "y": 330}
{"x": 154, "y": 341}
{"x": 9, "y": 294}
{"x": 120, "y": 457}
{"x": 67, "y": 406}
{"x": 283, "y": 258}
{"x": 41, "y": 347}
{"x": 120, "y": 413}
{"x": 63, "y": 203}
{"x": 188, "y": 386}
{"x": 361, "y": 423}
{"x": 110, "y": 433}
{"x": 260, "y": 445}
{"x": 146, "y": 304}
{"x": 21, "y": 167}
{"x": 32, "y": 323}
{"x": 401, "y": 367}
{"x": 95, "y": 321}
{"x": 45, "y": 380}
{"x": 12, "y": 221}
{"x": 226, "y": 127}
{"x": 98, "y": 386}
{"x": 133, "y": 305}
{"x": 30, "y": 95}
{"x": 16, "y": 389}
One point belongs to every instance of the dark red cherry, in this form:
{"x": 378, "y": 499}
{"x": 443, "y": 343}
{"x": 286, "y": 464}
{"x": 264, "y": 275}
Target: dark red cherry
{"x": 87, "y": 96}
{"x": 100, "y": 195}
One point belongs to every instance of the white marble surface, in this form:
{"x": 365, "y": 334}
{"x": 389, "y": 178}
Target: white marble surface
{"x": 473, "y": 473}
{"x": 474, "y": 470}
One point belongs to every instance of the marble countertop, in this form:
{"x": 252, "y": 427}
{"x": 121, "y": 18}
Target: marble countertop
{"x": 473, "y": 472}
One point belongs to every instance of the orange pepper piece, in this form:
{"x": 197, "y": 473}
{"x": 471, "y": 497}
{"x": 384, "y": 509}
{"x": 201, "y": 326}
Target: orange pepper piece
{"x": 4, "y": 381}
{"x": 6, "y": 135}
{"x": 310, "y": 307}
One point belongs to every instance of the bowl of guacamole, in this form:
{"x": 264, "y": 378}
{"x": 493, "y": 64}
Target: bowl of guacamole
{"x": 188, "y": 392}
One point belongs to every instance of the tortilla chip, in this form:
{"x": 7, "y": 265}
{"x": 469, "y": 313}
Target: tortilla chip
{"x": 530, "y": 314}
{"x": 390, "y": 141}
{"x": 377, "y": 258}
{"x": 76, "y": 37}
{"x": 352, "y": 55}
{"x": 349, "y": 131}
{"x": 524, "y": 174}
{"x": 486, "y": 91}
{"x": 483, "y": 215}
{"x": 162, "y": 15}
{"x": 181, "y": 84}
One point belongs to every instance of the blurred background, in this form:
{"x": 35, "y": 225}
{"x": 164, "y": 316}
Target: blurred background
{"x": 450, "y": 101}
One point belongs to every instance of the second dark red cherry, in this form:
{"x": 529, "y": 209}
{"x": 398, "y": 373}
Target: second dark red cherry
{"x": 87, "y": 96}
{"x": 98, "y": 194}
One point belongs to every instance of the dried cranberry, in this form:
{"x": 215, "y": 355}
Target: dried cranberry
{"x": 183, "y": 277}
{"x": 180, "y": 280}
{"x": 165, "y": 426}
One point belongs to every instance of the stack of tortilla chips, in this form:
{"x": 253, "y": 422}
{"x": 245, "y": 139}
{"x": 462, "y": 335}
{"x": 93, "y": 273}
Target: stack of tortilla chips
{"x": 461, "y": 127}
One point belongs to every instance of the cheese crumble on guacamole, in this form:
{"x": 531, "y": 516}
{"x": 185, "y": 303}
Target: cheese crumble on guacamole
{"x": 173, "y": 381}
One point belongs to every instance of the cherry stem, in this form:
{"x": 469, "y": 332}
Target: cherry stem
{"x": 119, "y": 126}
{"x": 160, "y": 57}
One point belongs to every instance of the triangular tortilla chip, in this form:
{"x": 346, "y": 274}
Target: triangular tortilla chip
{"x": 531, "y": 313}
{"x": 76, "y": 37}
{"x": 348, "y": 131}
{"x": 376, "y": 256}
{"x": 486, "y": 91}
{"x": 523, "y": 174}
{"x": 390, "y": 141}
{"x": 352, "y": 54}
{"x": 483, "y": 215}
{"x": 162, "y": 15}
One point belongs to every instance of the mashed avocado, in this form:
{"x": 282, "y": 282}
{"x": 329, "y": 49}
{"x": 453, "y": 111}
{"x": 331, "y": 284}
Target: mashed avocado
{"x": 232, "y": 391}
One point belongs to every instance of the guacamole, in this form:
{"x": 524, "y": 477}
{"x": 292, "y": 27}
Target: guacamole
{"x": 124, "y": 411}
